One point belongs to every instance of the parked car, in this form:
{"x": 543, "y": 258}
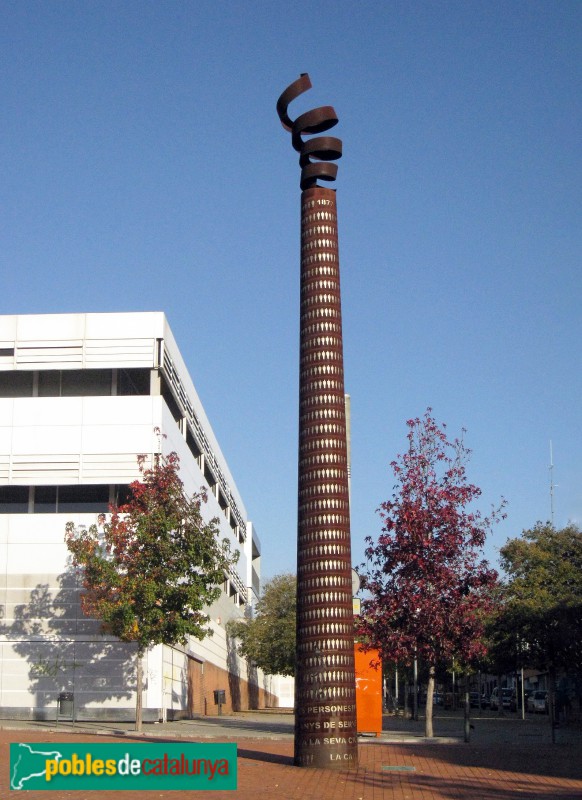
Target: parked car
{"x": 538, "y": 702}
{"x": 527, "y": 694}
{"x": 507, "y": 695}
{"x": 516, "y": 700}
{"x": 437, "y": 699}
{"x": 478, "y": 702}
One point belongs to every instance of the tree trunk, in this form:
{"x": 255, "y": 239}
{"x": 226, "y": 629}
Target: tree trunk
{"x": 415, "y": 698}
{"x": 139, "y": 692}
{"x": 552, "y": 702}
{"x": 467, "y": 710}
{"x": 428, "y": 729}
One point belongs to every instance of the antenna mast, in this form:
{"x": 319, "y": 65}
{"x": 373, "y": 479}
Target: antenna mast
{"x": 551, "y": 484}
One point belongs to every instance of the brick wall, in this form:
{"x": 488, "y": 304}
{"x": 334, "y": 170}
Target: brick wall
{"x": 240, "y": 695}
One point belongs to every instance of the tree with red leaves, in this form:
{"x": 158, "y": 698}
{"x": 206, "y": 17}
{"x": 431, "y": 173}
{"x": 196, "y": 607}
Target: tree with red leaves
{"x": 150, "y": 571}
{"x": 428, "y": 586}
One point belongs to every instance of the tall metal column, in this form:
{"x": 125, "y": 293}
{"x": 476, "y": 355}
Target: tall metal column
{"x": 325, "y": 696}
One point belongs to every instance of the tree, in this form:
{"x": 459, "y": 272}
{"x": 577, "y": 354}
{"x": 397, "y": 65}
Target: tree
{"x": 543, "y": 596}
{"x": 428, "y": 587}
{"x": 151, "y": 570}
{"x": 269, "y": 638}
{"x": 544, "y": 592}
{"x": 505, "y": 648}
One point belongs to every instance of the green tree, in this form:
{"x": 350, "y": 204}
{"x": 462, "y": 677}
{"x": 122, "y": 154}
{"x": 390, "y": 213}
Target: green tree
{"x": 151, "y": 570}
{"x": 543, "y": 596}
{"x": 506, "y": 651}
{"x": 269, "y": 638}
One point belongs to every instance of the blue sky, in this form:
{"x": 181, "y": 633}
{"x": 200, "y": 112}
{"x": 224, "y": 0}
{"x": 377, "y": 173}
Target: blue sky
{"x": 143, "y": 167}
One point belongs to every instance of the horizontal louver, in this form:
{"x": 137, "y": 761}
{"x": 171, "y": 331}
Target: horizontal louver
{"x": 109, "y": 467}
{"x": 74, "y": 353}
{"x": 57, "y": 354}
{"x": 4, "y": 467}
{"x": 46, "y": 469}
{"x": 119, "y": 352}
{"x": 53, "y": 469}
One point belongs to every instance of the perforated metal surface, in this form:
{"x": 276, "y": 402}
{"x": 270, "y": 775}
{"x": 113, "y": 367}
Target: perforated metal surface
{"x": 325, "y": 726}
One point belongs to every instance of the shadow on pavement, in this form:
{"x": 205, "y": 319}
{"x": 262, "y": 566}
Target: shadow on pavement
{"x": 261, "y": 755}
{"x": 485, "y": 788}
{"x": 504, "y": 743}
{"x": 240, "y": 723}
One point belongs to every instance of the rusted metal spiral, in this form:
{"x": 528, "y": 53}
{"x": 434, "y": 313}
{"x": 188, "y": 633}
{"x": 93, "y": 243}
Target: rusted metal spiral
{"x": 322, "y": 149}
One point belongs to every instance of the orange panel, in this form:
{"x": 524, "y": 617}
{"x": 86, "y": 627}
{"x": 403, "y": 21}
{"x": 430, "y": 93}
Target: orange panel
{"x": 368, "y": 691}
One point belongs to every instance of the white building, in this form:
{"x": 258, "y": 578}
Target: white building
{"x": 80, "y": 397}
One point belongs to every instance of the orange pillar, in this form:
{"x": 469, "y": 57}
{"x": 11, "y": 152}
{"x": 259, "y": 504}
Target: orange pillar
{"x": 368, "y": 690}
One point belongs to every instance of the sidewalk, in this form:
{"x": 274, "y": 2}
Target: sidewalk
{"x": 507, "y": 758}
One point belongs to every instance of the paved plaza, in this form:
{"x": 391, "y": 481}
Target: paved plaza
{"x": 506, "y": 758}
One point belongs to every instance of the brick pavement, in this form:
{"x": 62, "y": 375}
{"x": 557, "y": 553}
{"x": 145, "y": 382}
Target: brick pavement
{"x": 387, "y": 771}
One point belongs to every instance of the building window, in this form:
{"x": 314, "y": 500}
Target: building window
{"x": 120, "y": 495}
{"x": 16, "y": 384}
{"x": 193, "y": 445}
{"x": 171, "y": 403}
{"x": 133, "y": 381}
{"x": 13, "y": 499}
{"x": 84, "y": 499}
{"x": 74, "y": 382}
{"x": 45, "y": 499}
{"x": 209, "y": 476}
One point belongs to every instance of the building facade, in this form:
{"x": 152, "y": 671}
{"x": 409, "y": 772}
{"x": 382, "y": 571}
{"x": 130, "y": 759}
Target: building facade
{"x": 81, "y": 395}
